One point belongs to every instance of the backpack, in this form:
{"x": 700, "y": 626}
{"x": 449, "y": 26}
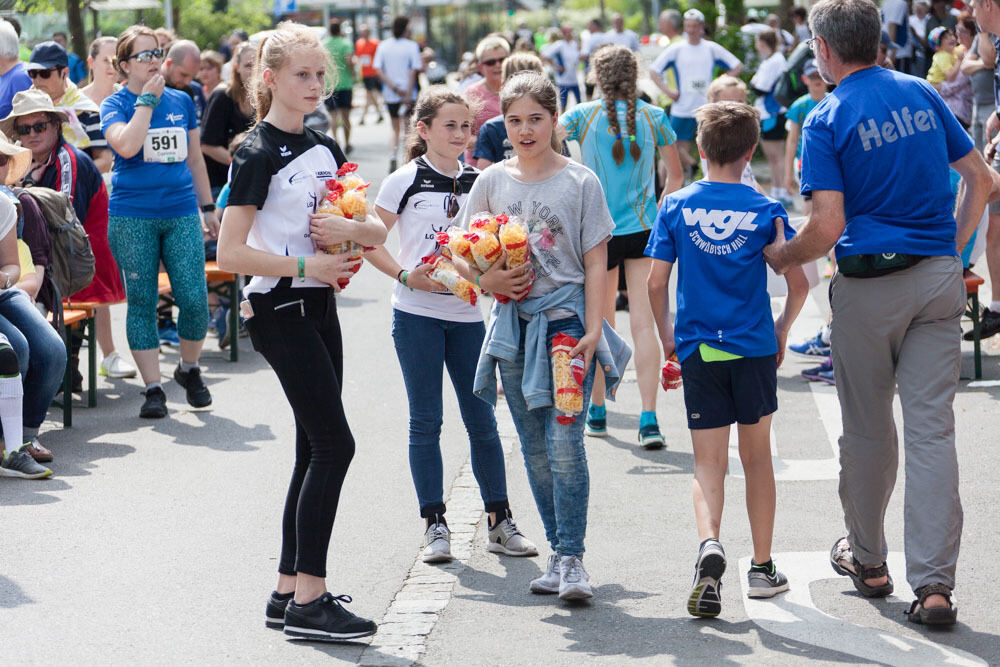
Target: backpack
{"x": 790, "y": 87}
{"x": 72, "y": 263}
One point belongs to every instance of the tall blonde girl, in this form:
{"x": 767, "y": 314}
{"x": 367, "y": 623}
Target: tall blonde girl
{"x": 604, "y": 128}
{"x": 292, "y": 312}
{"x": 432, "y": 329}
{"x": 563, "y": 206}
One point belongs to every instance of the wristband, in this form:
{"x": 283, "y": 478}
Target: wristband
{"x": 477, "y": 281}
{"x": 401, "y": 272}
{"x": 406, "y": 274}
{"x": 208, "y": 208}
{"x": 147, "y": 100}
{"x": 302, "y": 269}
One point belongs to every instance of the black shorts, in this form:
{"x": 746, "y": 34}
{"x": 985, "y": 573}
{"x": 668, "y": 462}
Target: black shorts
{"x": 776, "y": 133}
{"x": 341, "y": 99}
{"x": 718, "y": 393}
{"x": 627, "y": 246}
{"x": 394, "y": 107}
{"x": 372, "y": 83}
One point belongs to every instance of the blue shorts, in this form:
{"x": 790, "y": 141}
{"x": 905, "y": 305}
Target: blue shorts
{"x": 684, "y": 128}
{"x": 718, "y": 393}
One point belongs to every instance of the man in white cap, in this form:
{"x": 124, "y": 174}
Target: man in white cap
{"x": 693, "y": 63}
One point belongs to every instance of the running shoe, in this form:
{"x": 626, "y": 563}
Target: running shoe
{"x": 989, "y": 325}
{"x": 815, "y": 374}
{"x": 705, "y": 598}
{"x": 198, "y": 395}
{"x": 168, "y": 334}
{"x": 574, "y": 583}
{"x": 155, "y": 405}
{"x": 596, "y": 428}
{"x": 115, "y": 366}
{"x": 812, "y": 348}
{"x": 438, "y": 539}
{"x": 650, "y": 437}
{"x": 505, "y": 538}
{"x": 274, "y": 614}
{"x": 20, "y": 464}
{"x": 765, "y": 582}
{"x": 827, "y": 377}
{"x": 548, "y": 583}
{"x": 325, "y": 619}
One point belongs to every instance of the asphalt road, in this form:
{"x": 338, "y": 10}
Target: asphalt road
{"x": 157, "y": 542}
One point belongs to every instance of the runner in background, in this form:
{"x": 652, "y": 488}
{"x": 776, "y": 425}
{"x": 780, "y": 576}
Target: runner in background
{"x": 397, "y": 61}
{"x": 338, "y": 105}
{"x": 364, "y": 50}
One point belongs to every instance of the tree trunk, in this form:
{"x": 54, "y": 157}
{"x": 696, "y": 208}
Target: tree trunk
{"x": 74, "y": 19}
{"x": 786, "y": 13}
{"x": 176, "y": 6}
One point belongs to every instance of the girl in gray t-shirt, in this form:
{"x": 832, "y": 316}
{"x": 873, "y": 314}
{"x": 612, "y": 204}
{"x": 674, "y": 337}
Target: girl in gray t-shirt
{"x": 563, "y": 205}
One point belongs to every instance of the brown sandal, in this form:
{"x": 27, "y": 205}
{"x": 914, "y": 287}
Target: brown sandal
{"x": 842, "y": 552}
{"x": 922, "y": 615}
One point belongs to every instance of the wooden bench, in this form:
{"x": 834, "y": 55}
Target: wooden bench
{"x": 75, "y": 318}
{"x": 222, "y": 283}
{"x": 972, "y": 283}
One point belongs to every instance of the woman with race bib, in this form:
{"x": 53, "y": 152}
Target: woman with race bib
{"x": 159, "y": 180}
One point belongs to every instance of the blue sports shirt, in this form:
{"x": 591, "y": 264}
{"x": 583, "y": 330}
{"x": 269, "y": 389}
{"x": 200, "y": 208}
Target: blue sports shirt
{"x": 716, "y": 233}
{"x": 867, "y": 139}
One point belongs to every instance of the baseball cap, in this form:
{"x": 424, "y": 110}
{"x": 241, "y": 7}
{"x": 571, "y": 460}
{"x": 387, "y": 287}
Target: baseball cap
{"x": 810, "y": 68}
{"x": 694, "y": 15}
{"x": 934, "y": 38}
{"x": 47, "y": 55}
{"x": 887, "y": 41}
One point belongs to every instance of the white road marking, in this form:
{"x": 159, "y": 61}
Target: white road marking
{"x": 794, "y": 615}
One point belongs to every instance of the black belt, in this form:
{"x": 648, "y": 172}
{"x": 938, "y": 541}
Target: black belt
{"x": 873, "y": 266}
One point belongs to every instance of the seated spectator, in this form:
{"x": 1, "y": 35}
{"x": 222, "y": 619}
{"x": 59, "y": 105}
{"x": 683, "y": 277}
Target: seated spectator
{"x": 77, "y": 71}
{"x": 40, "y": 350}
{"x": 49, "y": 73}
{"x": 13, "y": 76}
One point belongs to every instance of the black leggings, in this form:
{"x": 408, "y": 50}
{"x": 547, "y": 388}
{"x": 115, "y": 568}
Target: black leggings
{"x": 298, "y": 332}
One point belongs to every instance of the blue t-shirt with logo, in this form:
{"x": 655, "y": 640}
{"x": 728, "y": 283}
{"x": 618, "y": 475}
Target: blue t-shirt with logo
{"x": 631, "y": 186}
{"x": 716, "y": 233}
{"x": 142, "y": 189}
{"x": 867, "y": 139}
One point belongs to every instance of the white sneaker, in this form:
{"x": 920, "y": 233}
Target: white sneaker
{"x": 114, "y": 366}
{"x": 438, "y": 549}
{"x": 505, "y": 538}
{"x": 549, "y": 582}
{"x": 574, "y": 583}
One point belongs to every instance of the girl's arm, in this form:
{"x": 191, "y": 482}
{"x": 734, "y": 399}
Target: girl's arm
{"x": 202, "y": 188}
{"x": 595, "y": 268}
{"x": 513, "y": 283}
{"x": 675, "y": 173}
{"x": 32, "y": 282}
{"x": 327, "y": 229}
{"x": 383, "y": 260}
{"x": 218, "y": 153}
{"x": 791, "y": 145}
{"x": 659, "y": 299}
{"x": 126, "y": 138}
{"x": 236, "y": 256}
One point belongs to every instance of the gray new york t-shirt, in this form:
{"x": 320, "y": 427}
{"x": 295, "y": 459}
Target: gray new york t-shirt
{"x": 566, "y": 216}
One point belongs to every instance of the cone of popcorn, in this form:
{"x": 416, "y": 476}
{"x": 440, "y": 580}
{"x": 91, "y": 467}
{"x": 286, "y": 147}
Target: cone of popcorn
{"x": 348, "y": 204}
{"x": 453, "y": 240}
{"x": 567, "y": 379}
{"x": 484, "y": 222}
{"x": 485, "y": 248}
{"x": 445, "y": 273}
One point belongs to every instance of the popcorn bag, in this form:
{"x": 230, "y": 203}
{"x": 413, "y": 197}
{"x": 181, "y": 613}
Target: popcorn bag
{"x": 452, "y": 241}
{"x": 513, "y": 237}
{"x": 347, "y": 197}
{"x": 485, "y": 249}
{"x": 567, "y": 378}
{"x": 670, "y": 375}
{"x": 485, "y": 222}
{"x": 445, "y": 273}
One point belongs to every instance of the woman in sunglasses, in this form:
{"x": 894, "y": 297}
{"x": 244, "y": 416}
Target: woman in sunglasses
{"x": 432, "y": 328}
{"x": 484, "y": 95}
{"x": 159, "y": 180}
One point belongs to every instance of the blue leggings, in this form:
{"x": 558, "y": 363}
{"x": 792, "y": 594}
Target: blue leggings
{"x": 139, "y": 244}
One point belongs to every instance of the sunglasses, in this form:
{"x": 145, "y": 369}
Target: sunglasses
{"x": 24, "y": 130}
{"x": 147, "y": 56}
{"x": 451, "y": 203}
{"x": 44, "y": 73}
{"x": 493, "y": 61}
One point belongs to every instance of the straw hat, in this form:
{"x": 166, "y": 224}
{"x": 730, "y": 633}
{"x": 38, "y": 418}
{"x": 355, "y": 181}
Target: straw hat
{"x": 26, "y": 103}
{"x": 19, "y": 160}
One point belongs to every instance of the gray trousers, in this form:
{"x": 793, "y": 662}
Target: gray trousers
{"x": 901, "y": 331}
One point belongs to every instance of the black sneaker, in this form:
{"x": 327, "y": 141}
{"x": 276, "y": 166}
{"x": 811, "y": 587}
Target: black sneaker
{"x": 989, "y": 325}
{"x": 275, "y": 612}
{"x": 155, "y": 405}
{"x": 705, "y": 598}
{"x": 198, "y": 395}
{"x": 325, "y": 619}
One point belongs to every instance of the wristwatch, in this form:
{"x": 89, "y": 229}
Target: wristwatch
{"x": 208, "y": 208}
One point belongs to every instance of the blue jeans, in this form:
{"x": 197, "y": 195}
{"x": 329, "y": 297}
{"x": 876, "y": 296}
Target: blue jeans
{"x": 41, "y": 353}
{"x": 424, "y": 346}
{"x": 553, "y": 453}
{"x": 564, "y": 92}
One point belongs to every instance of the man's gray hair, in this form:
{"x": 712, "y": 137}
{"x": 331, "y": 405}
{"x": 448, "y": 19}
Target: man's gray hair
{"x": 9, "y": 47}
{"x": 182, "y": 50}
{"x": 673, "y": 16}
{"x": 851, "y": 28}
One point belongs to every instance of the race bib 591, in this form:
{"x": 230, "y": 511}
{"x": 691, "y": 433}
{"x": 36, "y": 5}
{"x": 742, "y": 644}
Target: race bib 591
{"x": 165, "y": 144}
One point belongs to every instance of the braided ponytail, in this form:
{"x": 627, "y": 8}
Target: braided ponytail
{"x": 618, "y": 148}
{"x": 616, "y": 71}
{"x": 633, "y": 149}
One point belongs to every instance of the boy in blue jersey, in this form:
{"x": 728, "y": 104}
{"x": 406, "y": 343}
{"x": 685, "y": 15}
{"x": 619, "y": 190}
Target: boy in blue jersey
{"x": 725, "y": 338}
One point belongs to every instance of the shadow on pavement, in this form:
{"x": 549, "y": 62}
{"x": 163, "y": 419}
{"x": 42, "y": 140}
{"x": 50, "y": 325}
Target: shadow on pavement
{"x": 982, "y": 644}
{"x": 11, "y": 594}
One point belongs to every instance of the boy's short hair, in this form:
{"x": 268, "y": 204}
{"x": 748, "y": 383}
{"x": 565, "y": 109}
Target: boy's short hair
{"x": 727, "y": 131}
{"x": 721, "y": 83}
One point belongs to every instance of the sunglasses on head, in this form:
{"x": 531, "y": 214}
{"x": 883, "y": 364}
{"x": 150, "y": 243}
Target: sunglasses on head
{"x": 451, "y": 204}
{"x": 44, "y": 73}
{"x": 147, "y": 55}
{"x": 492, "y": 61}
{"x": 40, "y": 127}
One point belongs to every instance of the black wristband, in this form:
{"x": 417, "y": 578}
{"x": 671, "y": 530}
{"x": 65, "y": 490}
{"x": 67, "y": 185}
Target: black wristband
{"x": 399, "y": 274}
{"x": 208, "y": 208}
